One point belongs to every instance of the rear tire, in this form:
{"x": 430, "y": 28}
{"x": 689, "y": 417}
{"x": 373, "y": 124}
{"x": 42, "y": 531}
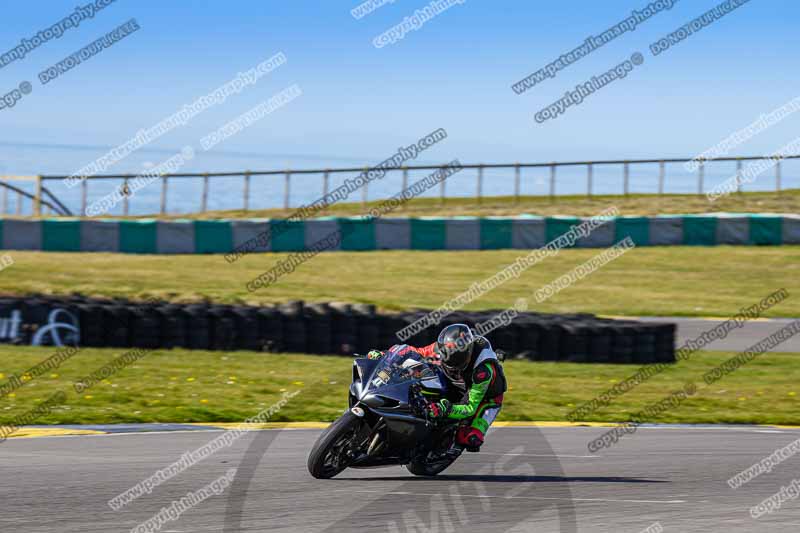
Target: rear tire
{"x": 424, "y": 468}
{"x": 323, "y": 461}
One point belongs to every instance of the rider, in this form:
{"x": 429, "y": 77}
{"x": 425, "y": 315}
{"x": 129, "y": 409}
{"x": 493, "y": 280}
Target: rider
{"x": 468, "y": 359}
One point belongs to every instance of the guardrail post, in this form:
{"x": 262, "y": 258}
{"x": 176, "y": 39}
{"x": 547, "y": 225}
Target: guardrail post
{"x": 701, "y": 176}
{"x": 125, "y": 192}
{"x": 365, "y": 190}
{"x": 589, "y": 176}
{"x": 441, "y": 189}
{"x": 516, "y": 183}
{"x": 325, "y": 183}
{"x": 247, "y": 190}
{"x": 5, "y": 200}
{"x": 627, "y": 177}
{"x": 37, "y": 200}
{"x": 204, "y": 198}
{"x": 778, "y": 176}
{"x": 739, "y": 176}
{"x": 164, "y": 185}
{"x": 552, "y": 181}
{"x": 661, "y": 175}
{"x": 84, "y": 195}
{"x": 405, "y": 178}
{"x": 287, "y": 188}
{"x": 19, "y": 204}
{"x": 480, "y": 183}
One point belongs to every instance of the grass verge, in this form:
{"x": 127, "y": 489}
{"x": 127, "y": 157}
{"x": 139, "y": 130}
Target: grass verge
{"x": 787, "y": 201}
{"x": 579, "y": 205}
{"x": 676, "y": 280}
{"x": 196, "y": 386}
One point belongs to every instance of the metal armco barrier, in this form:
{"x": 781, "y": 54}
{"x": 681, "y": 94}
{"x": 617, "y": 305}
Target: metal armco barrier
{"x": 320, "y": 328}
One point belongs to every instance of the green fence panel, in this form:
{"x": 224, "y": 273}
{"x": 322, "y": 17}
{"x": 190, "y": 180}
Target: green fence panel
{"x": 496, "y": 234}
{"x": 556, "y": 226}
{"x": 287, "y": 236}
{"x": 637, "y": 228}
{"x": 61, "y": 235}
{"x": 138, "y": 236}
{"x": 428, "y": 234}
{"x": 357, "y": 233}
{"x": 700, "y": 231}
{"x": 765, "y": 229}
{"x": 212, "y": 236}
{"x": 216, "y": 236}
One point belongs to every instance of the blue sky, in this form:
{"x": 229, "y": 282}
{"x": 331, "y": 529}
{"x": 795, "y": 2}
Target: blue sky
{"x": 360, "y": 103}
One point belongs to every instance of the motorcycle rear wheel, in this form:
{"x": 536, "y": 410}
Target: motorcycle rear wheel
{"x": 421, "y": 467}
{"x": 326, "y": 459}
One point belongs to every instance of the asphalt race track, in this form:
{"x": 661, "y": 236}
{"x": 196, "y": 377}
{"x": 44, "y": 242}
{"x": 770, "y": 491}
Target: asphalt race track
{"x": 737, "y": 340}
{"x": 525, "y": 479}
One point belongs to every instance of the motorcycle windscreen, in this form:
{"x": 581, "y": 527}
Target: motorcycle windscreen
{"x": 400, "y": 366}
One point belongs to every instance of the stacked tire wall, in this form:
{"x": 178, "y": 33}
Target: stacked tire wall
{"x": 337, "y": 328}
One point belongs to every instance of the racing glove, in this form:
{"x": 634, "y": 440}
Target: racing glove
{"x": 439, "y": 409}
{"x": 374, "y": 354}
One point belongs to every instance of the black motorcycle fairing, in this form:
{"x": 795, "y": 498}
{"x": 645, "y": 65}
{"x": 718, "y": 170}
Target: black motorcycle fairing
{"x": 389, "y": 400}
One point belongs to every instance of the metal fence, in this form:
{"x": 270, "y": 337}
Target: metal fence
{"x": 43, "y": 201}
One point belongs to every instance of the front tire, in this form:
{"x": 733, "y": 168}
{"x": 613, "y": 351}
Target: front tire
{"x": 327, "y": 457}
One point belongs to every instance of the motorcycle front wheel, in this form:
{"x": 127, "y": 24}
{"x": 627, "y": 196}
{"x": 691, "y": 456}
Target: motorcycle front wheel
{"x": 328, "y": 457}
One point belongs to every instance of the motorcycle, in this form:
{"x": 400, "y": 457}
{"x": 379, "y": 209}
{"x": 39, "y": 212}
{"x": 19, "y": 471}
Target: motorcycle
{"x": 387, "y": 422}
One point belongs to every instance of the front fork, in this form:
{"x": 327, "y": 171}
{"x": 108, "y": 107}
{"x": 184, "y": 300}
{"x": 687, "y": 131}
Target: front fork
{"x": 373, "y": 440}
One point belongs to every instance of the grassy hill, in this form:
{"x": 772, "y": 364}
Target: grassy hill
{"x": 635, "y": 204}
{"x": 672, "y": 280}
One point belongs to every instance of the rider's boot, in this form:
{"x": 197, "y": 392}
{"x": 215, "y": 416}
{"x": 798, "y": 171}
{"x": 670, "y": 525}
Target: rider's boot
{"x": 469, "y": 438}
